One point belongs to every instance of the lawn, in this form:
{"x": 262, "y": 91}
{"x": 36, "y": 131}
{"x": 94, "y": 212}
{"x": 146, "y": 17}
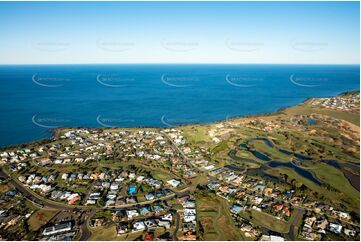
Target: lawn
{"x": 266, "y": 220}
{"x": 337, "y": 180}
{"x": 199, "y": 179}
{"x": 307, "y": 110}
{"x": 214, "y": 216}
{"x": 5, "y": 187}
{"x": 162, "y": 175}
{"x": 323, "y": 193}
{"x": 104, "y": 233}
{"x": 239, "y": 157}
{"x": 220, "y": 147}
{"x": 40, "y": 218}
{"x": 273, "y": 153}
{"x": 157, "y": 173}
{"x": 196, "y": 133}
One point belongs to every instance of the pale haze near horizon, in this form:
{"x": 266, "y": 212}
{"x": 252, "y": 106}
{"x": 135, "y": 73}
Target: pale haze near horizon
{"x": 179, "y": 32}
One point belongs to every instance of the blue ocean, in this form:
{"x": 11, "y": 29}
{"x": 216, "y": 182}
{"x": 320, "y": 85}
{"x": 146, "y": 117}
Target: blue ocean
{"x": 35, "y": 99}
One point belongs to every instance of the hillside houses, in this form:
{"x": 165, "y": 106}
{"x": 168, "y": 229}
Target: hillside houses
{"x": 189, "y": 218}
{"x": 348, "y": 102}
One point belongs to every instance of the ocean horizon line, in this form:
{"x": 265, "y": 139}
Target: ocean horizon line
{"x": 161, "y": 63}
{"x": 138, "y": 95}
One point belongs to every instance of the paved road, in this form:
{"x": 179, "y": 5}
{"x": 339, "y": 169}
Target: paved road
{"x": 85, "y": 232}
{"x": 182, "y": 154}
{"x": 298, "y": 207}
{"x": 176, "y": 226}
{"x": 89, "y": 211}
{"x": 295, "y": 222}
{"x": 32, "y": 196}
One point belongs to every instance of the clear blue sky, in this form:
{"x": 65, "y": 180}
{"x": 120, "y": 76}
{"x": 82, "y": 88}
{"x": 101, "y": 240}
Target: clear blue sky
{"x": 179, "y": 32}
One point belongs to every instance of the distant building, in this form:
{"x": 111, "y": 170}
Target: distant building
{"x": 173, "y": 182}
{"x": 336, "y": 228}
{"x": 138, "y": 226}
{"x": 58, "y": 228}
{"x": 271, "y": 238}
{"x": 236, "y": 209}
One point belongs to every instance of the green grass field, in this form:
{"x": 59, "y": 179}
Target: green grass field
{"x": 162, "y": 175}
{"x": 326, "y": 195}
{"x": 40, "y": 218}
{"x": 337, "y": 180}
{"x": 196, "y": 133}
{"x": 220, "y": 147}
{"x": 273, "y": 153}
{"x": 353, "y": 118}
{"x": 104, "y": 233}
{"x": 108, "y": 233}
{"x": 213, "y": 215}
{"x": 265, "y": 220}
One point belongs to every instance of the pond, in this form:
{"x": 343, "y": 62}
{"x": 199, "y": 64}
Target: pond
{"x": 311, "y": 121}
{"x": 302, "y": 157}
{"x": 234, "y": 168}
{"x": 302, "y": 172}
{"x": 260, "y": 156}
{"x": 286, "y": 152}
{"x": 261, "y": 173}
{"x": 255, "y": 153}
{"x": 332, "y": 163}
{"x": 243, "y": 146}
{"x": 353, "y": 178}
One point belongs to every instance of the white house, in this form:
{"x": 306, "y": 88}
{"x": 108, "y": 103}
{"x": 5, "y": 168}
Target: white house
{"x": 173, "y": 182}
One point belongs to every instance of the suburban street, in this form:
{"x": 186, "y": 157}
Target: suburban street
{"x": 296, "y": 220}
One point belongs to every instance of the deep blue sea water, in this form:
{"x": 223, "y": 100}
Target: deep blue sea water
{"x": 36, "y": 98}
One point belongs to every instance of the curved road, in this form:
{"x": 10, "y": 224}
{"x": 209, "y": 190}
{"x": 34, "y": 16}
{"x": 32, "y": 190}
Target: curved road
{"x": 33, "y": 196}
{"x": 84, "y": 227}
{"x": 176, "y": 226}
{"x": 298, "y": 217}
